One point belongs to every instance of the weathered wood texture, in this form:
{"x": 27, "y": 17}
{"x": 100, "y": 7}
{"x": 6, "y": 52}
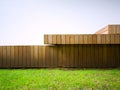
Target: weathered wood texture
{"x": 110, "y": 29}
{"x": 82, "y": 39}
{"x": 69, "y": 56}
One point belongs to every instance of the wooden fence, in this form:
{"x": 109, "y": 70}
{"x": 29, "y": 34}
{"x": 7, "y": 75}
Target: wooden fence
{"x": 69, "y": 56}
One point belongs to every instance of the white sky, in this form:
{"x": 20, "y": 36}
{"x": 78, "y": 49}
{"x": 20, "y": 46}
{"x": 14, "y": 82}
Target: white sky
{"x": 24, "y": 22}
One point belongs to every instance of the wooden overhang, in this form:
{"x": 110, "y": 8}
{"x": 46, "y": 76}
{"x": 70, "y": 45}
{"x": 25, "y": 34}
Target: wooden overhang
{"x": 82, "y": 39}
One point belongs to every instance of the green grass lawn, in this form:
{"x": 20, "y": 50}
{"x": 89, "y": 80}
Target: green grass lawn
{"x": 56, "y": 79}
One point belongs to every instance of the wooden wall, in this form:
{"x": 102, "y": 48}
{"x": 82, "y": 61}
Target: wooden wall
{"x": 70, "y": 56}
{"x": 114, "y": 29}
{"x": 82, "y": 39}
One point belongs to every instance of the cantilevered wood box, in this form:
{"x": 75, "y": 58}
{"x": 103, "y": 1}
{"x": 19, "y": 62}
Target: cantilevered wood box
{"x": 82, "y": 39}
{"x": 110, "y": 29}
{"x": 107, "y": 35}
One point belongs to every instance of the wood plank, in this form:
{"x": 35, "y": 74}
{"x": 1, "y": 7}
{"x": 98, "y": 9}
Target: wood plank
{"x": 12, "y": 56}
{"x": 55, "y": 56}
{"x": 103, "y": 39}
{"x": 28, "y": 56}
{"x": 40, "y": 58}
{"x": 67, "y": 40}
{"x": 112, "y": 39}
{"x": 60, "y": 56}
{"x": 89, "y": 39}
{"x": 76, "y": 39}
{"x": 54, "y": 39}
{"x": 76, "y": 59}
{"x": 47, "y": 56}
{"x": 118, "y": 29}
{"x": 4, "y": 57}
{"x": 8, "y": 56}
{"x": 88, "y": 59}
{"x": 80, "y": 56}
{"x": 62, "y": 39}
{"x": 51, "y": 62}
{"x": 32, "y": 56}
{"x": 50, "y": 39}
{"x": 72, "y": 39}
{"x": 99, "y": 38}
{"x": 24, "y": 56}
{"x": 64, "y": 56}
{"x": 81, "y": 39}
{"x": 97, "y": 61}
{"x": 94, "y": 39}
{"x": 67, "y": 51}
{"x": 117, "y": 39}
{"x": 91, "y": 59}
{"x": 45, "y": 39}
{"x": 1, "y": 57}
{"x": 16, "y": 56}
{"x": 108, "y": 39}
{"x": 85, "y": 39}
{"x": 58, "y": 37}
{"x": 43, "y": 55}
{"x": 35, "y": 56}
{"x": 20, "y": 56}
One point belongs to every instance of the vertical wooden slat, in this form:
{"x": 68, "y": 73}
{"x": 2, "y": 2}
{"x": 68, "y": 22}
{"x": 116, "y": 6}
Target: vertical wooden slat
{"x": 20, "y": 56}
{"x": 51, "y": 62}
{"x": 45, "y": 39}
{"x": 8, "y": 57}
{"x": 32, "y": 56}
{"x": 60, "y": 56}
{"x": 1, "y": 57}
{"x": 4, "y": 57}
{"x": 54, "y": 39}
{"x": 36, "y": 62}
{"x": 94, "y": 39}
{"x": 76, "y": 39}
{"x": 12, "y": 56}
{"x": 47, "y": 56}
{"x": 96, "y": 55}
{"x": 72, "y": 39}
{"x": 81, "y": 39}
{"x": 103, "y": 39}
{"x": 108, "y": 38}
{"x": 16, "y": 56}
{"x": 55, "y": 54}
{"x": 67, "y": 48}
{"x": 85, "y": 39}
{"x": 80, "y": 56}
{"x": 117, "y": 39}
{"x": 118, "y": 29}
{"x": 28, "y": 56}
{"x": 89, "y": 39}
{"x": 43, "y": 55}
{"x": 88, "y": 53}
{"x": 50, "y": 40}
{"x": 76, "y": 59}
{"x": 67, "y": 39}
{"x": 62, "y": 39}
{"x": 112, "y": 39}
{"x": 40, "y": 50}
{"x": 91, "y": 56}
{"x": 58, "y": 41}
{"x": 99, "y": 39}
{"x": 24, "y": 56}
{"x": 63, "y": 56}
